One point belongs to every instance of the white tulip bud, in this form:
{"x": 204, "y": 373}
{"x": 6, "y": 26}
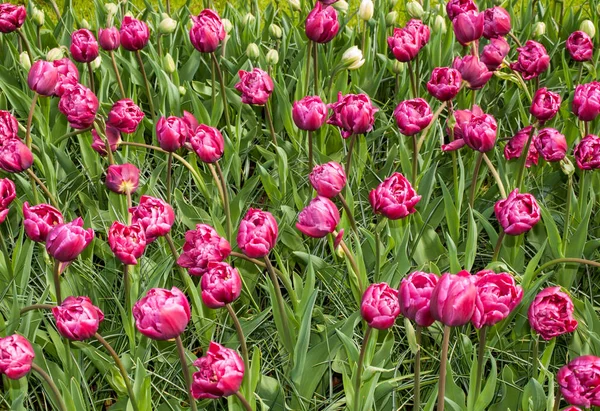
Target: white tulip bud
{"x": 252, "y": 51}
{"x": 391, "y": 18}
{"x": 227, "y": 25}
{"x": 566, "y": 166}
{"x": 96, "y": 63}
{"x": 365, "y": 10}
{"x": 398, "y": 67}
{"x": 24, "y": 60}
{"x": 54, "y": 54}
{"x": 294, "y": 5}
{"x": 587, "y": 26}
{"x": 167, "y": 26}
{"x": 341, "y": 6}
{"x": 539, "y": 29}
{"x": 272, "y": 57}
{"x": 169, "y": 64}
{"x": 439, "y": 24}
{"x": 414, "y": 9}
{"x": 111, "y": 8}
{"x": 85, "y": 24}
{"x": 275, "y": 31}
{"x": 182, "y": 91}
{"x": 248, "y": 19}
{"x": 38, "y": 16}
{"x": 352, "y": 59}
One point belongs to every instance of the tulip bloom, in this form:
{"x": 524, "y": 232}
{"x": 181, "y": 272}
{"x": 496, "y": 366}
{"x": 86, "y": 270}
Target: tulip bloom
{"x": 319, "y": 218}
{"x": 586, "y": 101}
{"x": 171, "y": 133}
{"x": 15, "y": 156}
{"x": 134, "y": 34}
{"x": 578, "y": 381}
{"x": 127, "y": 242}
{"x": 162, "y": 314}
{"x": 257, "y": 234}
{"x": 545, "y": 104}
{"x": 380, "y": 306}
{"x": 221, "y": 371}
{"x": 415, "y": 297}
{"x": 122, "y": 179}
{"x": 12, "y": 17}
{"x": 473, "y": 71}
{"x": 405, "y": 43}
{"x": 208, "y": 143}
{"x": 587, "y": 153}
{"x": 551, "y": 313}
{"x": 496, "y": 22}
{"x": 497, "y": 296}
{"x": 39, "y": 220}
{"x": 221, "y": 285}
{"x": 468, "y": 27}
{"x": 16, "y": 353}
{"x": 322, "y": 24}
{"x": 309, "y": 113}
{"x": 109, "y": 38}
{"x": 551, "y": 144}
{"x": 516, "y": 145}
{"x": 479, "y": 133}
{"x": 580, "y": 46}
{"x": 461, "y": 118}
{"x": 493, "y": 54}
{"x": 518, "y": 213}
{"x": 68, "y": 75}
{"x": 394, "y": 198}
{"x": 417, "y": 28}
{"x": 125, "y": 116}
{"x": 453, "y": 299}
{"x": 9, "y": 126}
{"x": 154, "y": 215}
{"x": 353, "y": 114}
{"x": 66, "y": 241}
{"x": 77, "y": 319}
{"x": 207, "y": 31}
{"x": 79, "y": 104}
{"x": 84, "y": 47}
{"x": 444, "y": 83}
{"x": 7, "y": 195}
{"x": 202, "y": 246}
{"x": 328, "y": 179}
{"x": 256, "y": 86}
{"x": 533, "y": 60}
{"x": 413, "y": 116}
{"x": 42, "y": 77}
{"x": 456, "y": 7}
{"x": 112, "y": 135}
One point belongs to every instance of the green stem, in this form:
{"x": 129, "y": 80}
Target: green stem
{"x": 511, "y": 35}
{"x": 348, "y": 212}
{"x": 225, "y": 200}
{"x": 38, "y": 32}
{"x": 56, "y": 277}
{"x": 26, "y": 44}
{"x": 425, "y": 132}
{"x": 316, "y": 68}
{"x": 474, "y": 181}
{"x": 36, "y": 307}
{"x": 91, "y": 76}
{"x": 349, "y": 155}
{"x": 443, "y": 364}
{"x": 417, "y": 379}
{"x": 71, "y": 134}
{"x": 480, "y": 354}
{"x": 30, "y": 119}
{"x": 104, "y": 138}
{"x": 186, "y": 372}
{"x": 56, "y": 10}
{"x": 6, "y": 254}
{"x": 121, "y": 368}
{"x": 127, "y": 286}
{"x": 310, "y": 151}
{"x": 498, "y": 246}
{"x": 270, "y": 121}
{"x": 43, "y": 187}
{"x": 116, "y": 69}
{"x": 59, "y": 399}
{"x": 138, "y": 54}
{"x": 307, "y": 72}
{"x": 353, "y": 263}
{"x": 213, "y": 94}
{"x": 415, "y": 162}
{"x": 241, "y": 338}
{"x": 495, "y": 174}
{"x": 535, "y": 357}
{"x": 359, "y": 367}
{"x": 286, "y": 335}
{"x": 568, "y": 213}
{"x": 413, "y": 81}
{"x": 557, "y": 401}
{"x": 168, "y": 7}
{"x": 169, "y": 175}
{"x": 223, "y": 95}
{"x": 243, "y": 400}
{"x": 565, "y": 260}
{"x": 523, "y": 157}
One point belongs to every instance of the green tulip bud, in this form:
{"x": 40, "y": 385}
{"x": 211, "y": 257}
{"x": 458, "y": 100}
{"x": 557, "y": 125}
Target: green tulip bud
{"x": 111, "y": 9}
{"x": 38, "y": 16}
{"x": 352, "y": 59}
{"x": 294, "y": 5}
{"x": 539, "y": 29}
{"x": 588, "y": 27}
{"x": 248, "y": 19}
{"x": 252, "y": 51}
{"x": 391, "y": 18}
{"x": 54, "y": 54}
{"x": 182, "y": 91}
{"x": 167, "y": 26}
{"x": 227, "y": 25}
{"x": 85, "y": 24}
{"x": 398, "y": 67}
{"x": 169, "y": 64}
{"x": 341, "y": 6}
{"x": 365, "y": 10}
{"x": 275, "y": 31}
{"x": 96, "y": 63}
{"x": 567, "y": 167}
{"x": 272, "y": 57}
{"x": 24, "y": 60}
{"x": 414, "y": 9}
{"x": 439, "y": 24}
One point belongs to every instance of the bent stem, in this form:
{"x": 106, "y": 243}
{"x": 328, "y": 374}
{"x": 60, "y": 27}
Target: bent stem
{"x": 443, "y": 363}
{"x": 280, "y": 303}
{"x": 348, "y": 213}
{"x": 240, "y": 334}
{"x": 114, "y": 64}
{"x": 138, "y": 54}
{"x": 523, "y": 157}
{"x": 30, "y": 119}
{"x": 186, "y": 372}
{"x": 53, "y": 387}
{"x": 43, "y": 187}
{"x": 169, "y": 172}
{"x": 361, "y": 359}
{"x": 270, "y": 120}
{"x": 480, "y": 354}
{"x": 56, "y": 277}
{"x": 36, "y": 307}
{"x": 225, "y": 200}
{"x": 349, "y": 155}
{"x": 121, "y": 368}
{"x": 474, "y": 181}
{"x": 243, "y": 400}
{"x": 417, "y": 380}
{"x": 495, "y": 174}
{"x": 223, "y": 95}
{"x": 565, "y": 260}
{"x": 498, "y": 246}
{"x": 104, "y": 138}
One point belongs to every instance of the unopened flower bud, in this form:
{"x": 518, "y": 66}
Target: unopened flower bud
{"x": 391, "y": 18}
{"x": 365, "y": 10}
{"x": 85, "y": 24}
{"x": 167, "y": 26}
{"x": 248, "y": 20}
{"x": 182, "y": 90}
{"x": 393, "y": 3}
{"x": 566, "y": 166}
{"x": 96, "y": 63}
{"x": 398, "y": 67}
{"x": 352, "y": 58}
{"x": 111, "y": 9}
{"x": 414, "y": 9}
{"x": 539, "y": 29}
{"x": 54, "y": 54}
{"x": 294, "y": 5}
{"x": 439, "y": 24}
{"x": 252, "y": 51}
{"x": 38, "y": 16}
{"x": 24, "y": 60}
{"x": 587, "y": 26}
{"x": 272, "y": 57}
{"x": 341, "y": 6}
{"x": 227, "y": 25}
{"x": 275, "y": 31}
{"x": 169, "y": 64}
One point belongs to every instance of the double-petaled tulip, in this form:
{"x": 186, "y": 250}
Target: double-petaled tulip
{"x": 468, "y": 27}
{"x": 42, "y": 77}
{"x": 207, "y": 31}
{"x": 16, "y": 355}
{"x": 127, "y": 242}
{"x": 551, "y": 144}
{"x": 11, "y": 17}
{"x": 322, "y": 24}
{"x": 473, "y": 71}
{"x": 517, "y": 213}
{"x": 444, "y": 83}
{"x": 420, "y": 30}
{"x": 580, "y": 46}
{"x": 545, "y": 104}
{"x": 496, "y": 22}
{"x": 404, "y": 44}
{"x": 257, "y": 234}
{"x": 68, "y": 75}
{"x": 15, "y": 156}
{"x": 79, "y": 104}
{"x": 480, "y": 132}
{"x": 551, "y": 313}
{"x": 154, "y": 215}
{"x": 453, "y": 299}
{"x": 112, "y": 135}
{"x": 171, "y": 133}
{"x": 134, "y": 34}
{"x": 9, "y": 126}
{"x": 125, "y": 116}
{"x": 353, "y": 114}
{"x": 456, "y": 7}
{"x": 7, "y": 195}
{"x": 77, "y": 318}
{"x": 578, "y": 381}
{"x": 380, "y": 306}
{"x": 256, "y": 86}
{"x": 39, "y": 220}
{"x": 84, "y": 47}
{"x": 310, "y": 113}
{"x": 221, "y": 372}
{"x": 533, "y": 60}
{"x": 221, "y": 285}
{"x": 319, "y": 218}
{"x": 413, "y": 116}
{"x": 516, "y": 145}
{"x": 587, "y": 153}
{"x": 190, "y": 120}
{"x": 202, "y": 247}
{"x": 461, "y": 118}
{"x": 162, "y": 314}
{"x": 415, "y": 297}
{"x": 208, "y": 143}
{"x": 66, "y": 241}
{"x": 586, "y": 101}
{"x": 493, "y": 54}
{"x": 328, "y": 179}
{"x": 109, "y": 38}
{"x": 122, "y": 178}
{"x": 394, "y": 198}
{"x": 497, "y": 296}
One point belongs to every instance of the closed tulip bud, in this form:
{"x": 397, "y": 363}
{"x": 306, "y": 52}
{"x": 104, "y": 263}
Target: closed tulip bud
{"x": 365, "y": 10}
{"x": 275, "y": 31}
{"x": 379, "y": 306}
{"x": 518, "y": 213}
{"x": 182, "y": 90}
{"x": 16, "y": 356}
{"x": 415, "y": 297}
{"x": 55, "y": 53}
{"x": 272, "y": 57}
{"x": 494, "y": 52}
{"x": 221, "y": 285}
{"x": 38, "y": 17}
{"x": 394, "y": 198}
{"x": 319, "y": 218}
{"x": 134, "y": 34}
{"x": 7, "y": 196}
{"x": 252, "y": 51}
{"x": 39, "y": 220}
{"x": 202, "y": 246}
{"x": 587, "y": 26}
{"x": 341, "y": 6}
{"x": 352, "y": 59}
{"x": 412, "y": 116}
{"x": 295, "y": 5}
{"x": 111, "y": 9}
{"x": 127, "y": 242}
{"x": 68, "y": 76}
{"x": 391, "y": 18}
{"x": 439, "y": 24}
{"x": 539, "y": 29}
{"x": 96, "y": 63}
{"x": 169, "y": 64}
{"x": 453, "y": 299}
{"x": 248, "y": 20}
{"x": 567, "y": 167}
{"x": 578, "y": 381}
{"x": 257, "y": 234}
{"x": 207, "y": 31}
{"x": 473, "y": 71}
{"x": 516, "y": 145}
{"x": 42, "y": 77}
{"x": 551, "y": 313}
{"x": 15, "y": 156}
{"x": 353, "y": 114}
{"x": 171, "y": 133}
{"x": 221, "y": 371}
{"x": 398, "y": 67}
{"x": 85, "y": 24}
{"x": 12, "y": 17}
{"x": 480, "y": 132}
{"x": 328, "y": 179}
{"x": 468, "y": 27}
{"x": 497, "y": 22}
{"x": 322, "y": 24}
{"x": 125, "y": 116}
{"x": 227, "y": 25}
{"x": 66, "y": 241}
{"x": 77, "y": 319}
{"x": 122, "y": 179}
{"x": 25, "y": 61}
{"x": 162, "y": 314}
{"x": 545, "y": 104}
{"x": 167, "y": 26}
{"x": 444, "y": 83}
{"x": 414, "y": 9}
{"x": 456, "y": 7}
{"x": 154, "y": 215}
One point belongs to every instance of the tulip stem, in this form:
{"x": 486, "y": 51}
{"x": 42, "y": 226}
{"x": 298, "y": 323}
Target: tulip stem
{"x": 359, "y": 367}
{"x": 26, "y": 44}
{"x": 116, "y": 69}
{"x": 243, "y": 400}
{"x": 186, "y": 372}
{"x": 270, "y": 120}
{"x": 43, "y": 187}
{"x": 121, "y": 368}
{"x": 415, "y": 159}
{"x": 316, "y": 68}
{"x": 495, "y": 174}
{"x": 286, "y": 335}
{"x": 557, "y": 401}
{"x": 104, "y": 138}
{"x": 348, "y": 212}
{"x": 127, "y": 287}
{"x": 349, "y": 155}
{"x": 498, "y": 246}
{"x": 222, "y": 194}
{"x": 138, "y": 54}
{"x": 567, "y": 213}
{"x": 580, "y": 74}
{"x": 310, "y": 151}
{"x": 59, "y": 399}
{"x": 225, "y": 200}
{"x": 475, "y": 176}
{"x": 71, "y": 134}
{"x": 534, "y": 360}
{"x": 565, "y": 260}
{"x": 36, "y": 307}
{"x": 56, "y": 276}
{"x": 307, "y": 73}
{"x": 417, "y": 383}
{"x": 523, "y": 157}
{"x": 413, "y": 81}
{"x": 30, "y": 119}
{"x": 443, "y": 363}
{"x": 352, "y": 260}
{"x": 241, "y": 338}
{"x": 91, "y": 76}
{"x": 169, "y": 177}
{"x": 515, "y": 39}
{"x": 480, "y": 354}
{"x": 7, "y": 259}
{"x": 425, "y": 132}
{"x": 223, "y": 95}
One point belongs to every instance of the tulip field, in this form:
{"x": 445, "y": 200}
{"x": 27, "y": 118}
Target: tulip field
{"x": 299, "y": 205}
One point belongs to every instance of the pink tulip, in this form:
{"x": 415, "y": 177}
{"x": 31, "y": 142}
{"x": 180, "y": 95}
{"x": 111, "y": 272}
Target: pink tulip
{"x": 309, "y": 113}
{"x": 79, "y": 104}
{"x": 473, "y": 71}
{"x": 39, "y": 220}
{"x": 405, "y": 43}
{"x": 66, "y": 241}
{"x": 12, "y": 17}
{"x": 353, "y": 114}
{"x": 394, "y": 198}
{"x": 8, "y": 192}
{"x": 493, "y": 54}
{"x": 415, "y": 297}
{"x": 580, "y": 46}
{"x": 453, "y": 299}
{"x": 586, "y": 101}
{"x": 208, "y": 143}
{"x": 109, "y": 38}
{"x": 551, "y": 313}
{"x": 122, "y": 178}
{"x": 154, "y": 215}
{"x": 257, "y": 234}
{"x": 162, "y": 314}
{"x": 202, "y": 246}
{"x": 134, "y": 34}
{"x": 497, "y": 297}
{"x": 319, "y": 218}
{"x": 413, "y": 116}
{"x": 479, "y": 133}
{"x": 516, "y": 145}
{"x": 77, "y": 319}
{"x": 112, "y": 135}
{"x": 587, "y": 153}
{"x": 468, "y": 27}
{"x": 221, "y": 285}
{"x": 16, "y": 353}
{"x": 42, "y": 77}
{"x": 578, "y": 381}
{"x": 9, "y": 126}
{"x": 15, "y": 157}
{"x": 171, "y": 133}
{"x": 496, "y": 22}
{"x": 420, "y": 30}
{"x": 533, "y": 60}
{"x": 444, "y": 83}
{"x": 256, "y": 86}
{"x": 221, "y": 371}
{"x": 517, "y": 213}
{"x": 190, "y": 120}
{"x": 84, "y": 47}
{"x": 551, "y": 144}
{"x": 328, "y": 179}
{"x": 207, "y": 31}
{"x": 322, "y": 24}
{"x": 380, "y": 306}
{"x": 545, "y": 104}
{"x": 68, "y": 75}
{"x": 456, "y": 7}
{"x": 125, "y": 116}
{"x": 127, "y": 242}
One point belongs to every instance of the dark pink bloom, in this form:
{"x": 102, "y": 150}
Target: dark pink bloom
{"x": 551, "y": 313}
{"x": 77, "y": 319}
{"x": 221, "y": 371}
{"x": 578, "y": 381}
{"x": 109, "y": 38}
{"x": 256, "y": 86}
{"x": 8, "y": 193}
{"x": 413, "y": 116}
{"x": 12, "y": 17}
{"x": 154, "y": 215}
{"x": 122, "y": 178}
{"x": 456, "y": 7}
{"x": 444, "y": 83}
{"x": 319, "y": 218}
{"x": 468, "y": 27}
{"x": 112, "y": 135}
{"x": 202, "y": 247}
{"x": 84, "y": 47}
{"x": 208, "y": 143}
{"x": 453, "y": 299}
{"x": 394, "y": 198}
{"x": 134, "y": 34}
{"x": 517, "y": 213}
{"x": 322, "y": 24}
{"x": 66, "y": 241}
{"x": 207, "y": 31}
{"x": 127, "y": 242}
{"x": 171, "y": 133}
{"x": 551, "y": 144}
{"x": 42, "y": 77}
{"x": 497, "y": 297}
{"x": 587, "y": 153}
{"x": 39, "y": 220}
{"x": 380, "y": 306}
{"x": 516, "y": 145}
{"x": 162, "y": 314}
{"x": 479, "y": 133}
{"x": 79, "y": 104}
{"x": 405, "y": 43}
{"x": 580, "y": 46}
{"x": 9, "y": 126}
{"x": 68, "y": 75}
{"x": 496, "y": 22}
{"x": 353, "y": 114}
{"x": 125, "y": 116}
{"x": 221, "y": 285}
{"x": 473, "y": 71}
{"x": 493, "y": 54}
{"x": 190, "y": 120}
{"x": 586, "y": 101}
{"x": 420, "y": 30}
{"x": 328, "y": 179}
{"x": 15, "y": 157}
{"x": 533, "y": 60}
{"x": 257, "y": 234}
{"x": 309, "y": 113}
{"x": 16, "y": 353}
{"x": 545, "y": 104}
{"x": 415, "y": 297}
